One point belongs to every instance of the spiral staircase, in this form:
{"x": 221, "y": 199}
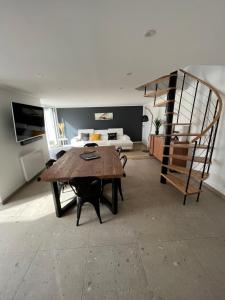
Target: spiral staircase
{"x": 192, "y": 112}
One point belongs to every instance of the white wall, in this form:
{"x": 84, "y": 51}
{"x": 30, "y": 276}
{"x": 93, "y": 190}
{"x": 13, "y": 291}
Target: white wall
{"x": 216, "y": 76}
{"x": 157, "y": 112}
{"x": 11, "y": 175}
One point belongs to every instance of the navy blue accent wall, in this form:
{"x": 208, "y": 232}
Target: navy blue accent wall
{"x": 127, "y": 117}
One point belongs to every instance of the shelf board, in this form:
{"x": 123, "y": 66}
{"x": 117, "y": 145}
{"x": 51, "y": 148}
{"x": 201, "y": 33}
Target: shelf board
{"x": 198, "y": 159}
{"x": 180, "y": 184}
{"x": 195, "y": 174}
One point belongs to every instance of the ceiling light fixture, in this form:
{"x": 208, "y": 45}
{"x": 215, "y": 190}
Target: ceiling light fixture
{"x": 150, "y": 33}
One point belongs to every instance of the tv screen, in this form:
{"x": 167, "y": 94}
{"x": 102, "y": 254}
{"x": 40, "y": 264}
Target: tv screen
{"x": 28, "y": 121}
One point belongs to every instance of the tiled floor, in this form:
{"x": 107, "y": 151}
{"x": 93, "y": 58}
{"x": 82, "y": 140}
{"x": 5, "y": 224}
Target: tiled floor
{"x": 155, "y": 248}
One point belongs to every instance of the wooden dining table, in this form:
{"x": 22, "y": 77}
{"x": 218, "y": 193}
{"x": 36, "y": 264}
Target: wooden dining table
{"x": 71, "y": 165}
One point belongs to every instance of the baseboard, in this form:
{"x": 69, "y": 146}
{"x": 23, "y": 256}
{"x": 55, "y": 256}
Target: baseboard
{"x": 213, "y": 190}
{"x": 7, "y": 199}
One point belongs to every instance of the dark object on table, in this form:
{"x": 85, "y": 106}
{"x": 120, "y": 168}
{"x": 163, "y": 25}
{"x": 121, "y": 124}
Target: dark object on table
{"x": 91, "y": 145}
{"x": 60, "y": 154}
{"x": 88, "y": 189}
{"x": 112, "y": 136}
{"x": 84, "y": 136}
{"x": 90, "y": 155}
{"x": 123, "y": 160}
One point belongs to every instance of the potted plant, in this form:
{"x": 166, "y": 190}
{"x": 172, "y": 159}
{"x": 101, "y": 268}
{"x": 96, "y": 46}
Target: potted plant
{"x": 157, "y": 123}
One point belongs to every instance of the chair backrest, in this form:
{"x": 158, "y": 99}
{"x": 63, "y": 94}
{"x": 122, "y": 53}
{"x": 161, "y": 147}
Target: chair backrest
{"x": 119, "y": 150}
{"x": 49, "y": 163}
{"x": 123, "y": 160}
{"x": 60, "y": 154}
{"x": 87, "y": 187}
{"x": 91, "y": 145}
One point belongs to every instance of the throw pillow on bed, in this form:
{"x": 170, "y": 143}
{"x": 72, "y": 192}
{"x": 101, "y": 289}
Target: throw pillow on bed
{"x": 84, "y": 136}
{"x": 112, "y": 136}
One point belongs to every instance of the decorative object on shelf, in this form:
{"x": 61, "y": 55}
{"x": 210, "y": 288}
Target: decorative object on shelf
{"x": 157, "y": 123}
{"x": 61, "y": 129}
{"x": 103, "y": 116}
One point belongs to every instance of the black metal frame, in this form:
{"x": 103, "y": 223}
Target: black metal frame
{"x": 60, "y": 211}
{"x": 206, "y": 110}
{"x": 156, "y": 89}
{"x": 169, "y": 120}
{"x": 193, "y": 105}
{"x": 208, "y": 161}
{"x": 181, "y": 95}
{"x": 189, "y": 174}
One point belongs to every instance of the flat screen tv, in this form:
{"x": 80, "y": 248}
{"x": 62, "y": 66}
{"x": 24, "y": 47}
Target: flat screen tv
{"x": 28, "y": 121}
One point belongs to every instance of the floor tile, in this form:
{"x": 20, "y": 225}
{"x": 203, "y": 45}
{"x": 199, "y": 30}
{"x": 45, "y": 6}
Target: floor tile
{"x": 55, "y": 274}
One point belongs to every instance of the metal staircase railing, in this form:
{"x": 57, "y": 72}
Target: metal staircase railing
{"x": 192, "y": 103}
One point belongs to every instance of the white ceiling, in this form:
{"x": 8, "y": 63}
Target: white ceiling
{"x": 77, "y": 52}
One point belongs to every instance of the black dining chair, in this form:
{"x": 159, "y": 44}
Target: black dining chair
{"x": 88, "y": 189}
{"x": 60, "y": 154}
{"x": 61, "y": 185}
{"x": 49, "y": 163}
{"x": 123, "y": 160}
{"x": 119, "y": 150}
{"x": 91, "y": 145}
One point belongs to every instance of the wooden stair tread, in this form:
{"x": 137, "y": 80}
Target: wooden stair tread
{"x": 181, "y": 134}
{"x": 170, "y": 113}
{"x": 194, "y": 173}
{"x": 158, "y": 92}
{"x": 198, "y": 159}
{"x": 180, "y": 184}
{"x": 158, "y": 80}
{"x": 163, "y": 103}
{"x": 176, "y": 124}
{"x": 180, "y": 145}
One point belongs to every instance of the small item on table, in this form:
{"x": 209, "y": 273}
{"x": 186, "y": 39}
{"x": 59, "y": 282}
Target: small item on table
{"x": 90, "y": 155}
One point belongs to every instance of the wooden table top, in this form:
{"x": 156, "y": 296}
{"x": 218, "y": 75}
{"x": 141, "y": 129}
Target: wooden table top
{"x": 70, "y": 165}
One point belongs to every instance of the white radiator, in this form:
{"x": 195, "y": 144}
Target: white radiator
{"x": 32, "y": 163}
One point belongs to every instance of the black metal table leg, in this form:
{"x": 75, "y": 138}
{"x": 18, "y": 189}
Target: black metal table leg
{"x": 115, "y": 196}
{"x": 56, "y": 199}
{"x": 112, "y": 205}
{"x": 59, "y": 210}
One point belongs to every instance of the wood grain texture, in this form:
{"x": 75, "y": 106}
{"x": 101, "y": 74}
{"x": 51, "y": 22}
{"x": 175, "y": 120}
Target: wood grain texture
{"x": 158, "y": 80}
{"x": 158, "y": 92}
{"x": 195, "y": 174}
{"x": 180, "y": 184}
{"x": 70, "y": 165}
{"x": 163, "y": 103}
{"x": 199, "y": 159}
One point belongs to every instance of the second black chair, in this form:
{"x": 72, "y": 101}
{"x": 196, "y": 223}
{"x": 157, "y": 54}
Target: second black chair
{"x": 123, "y": 160}
{"x": 88, "y": 189}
